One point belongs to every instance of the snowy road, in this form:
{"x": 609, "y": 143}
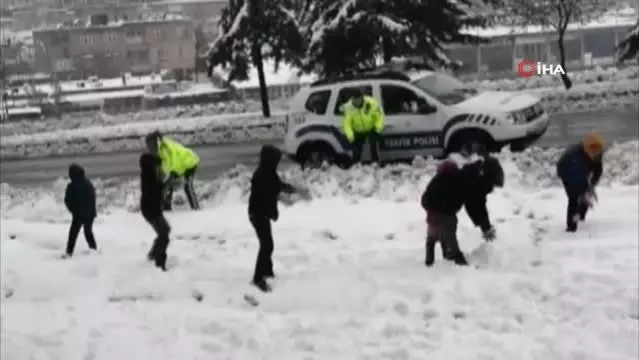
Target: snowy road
{"x": 566, "y": 128}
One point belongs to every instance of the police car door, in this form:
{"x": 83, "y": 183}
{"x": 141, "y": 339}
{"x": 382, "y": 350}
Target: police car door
{"x": 417, "y": 123}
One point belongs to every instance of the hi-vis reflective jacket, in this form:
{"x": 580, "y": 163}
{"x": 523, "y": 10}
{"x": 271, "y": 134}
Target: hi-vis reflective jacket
{"x": 176, "y": 158}
{"x": 367, "y": 119}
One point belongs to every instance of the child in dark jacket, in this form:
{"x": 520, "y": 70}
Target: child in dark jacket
{"x": 266, "y": 187}
{"x": 580, "y": 167}
{"x": 151, "y": 206}
{"x": 446, "y": 193}
{"x": 79, "y": 199}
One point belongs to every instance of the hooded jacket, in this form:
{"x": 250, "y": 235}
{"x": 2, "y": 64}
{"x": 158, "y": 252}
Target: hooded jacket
{"x": 443, "y": 193}
{"x": 579, "y": 170}
{"x": 480, "y": 179}
{"x": 151, "y": 186}
{"x": 266, "y": 185}
{"x": 79, "y": 196}
{"x": 366, "y": 119}
{"x": 451, "y": 188}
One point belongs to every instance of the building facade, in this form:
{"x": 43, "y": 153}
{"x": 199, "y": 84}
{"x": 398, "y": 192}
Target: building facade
{"x": 583, "y": 48}
{"x": 112, "y": 49}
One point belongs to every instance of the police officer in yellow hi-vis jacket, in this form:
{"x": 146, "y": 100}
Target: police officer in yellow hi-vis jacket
{"x": 178, "y": 162}
{"x": 363, "y": 120}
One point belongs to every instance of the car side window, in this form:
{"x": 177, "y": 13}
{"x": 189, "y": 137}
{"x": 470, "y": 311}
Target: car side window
{"x": 398, "y": 100}
{"x": 346, "y": 93}
{"x": 317, "y": 102}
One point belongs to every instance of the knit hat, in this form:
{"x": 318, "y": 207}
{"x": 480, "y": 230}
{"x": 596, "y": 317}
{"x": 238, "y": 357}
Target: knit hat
{"x": 593, "y": 145}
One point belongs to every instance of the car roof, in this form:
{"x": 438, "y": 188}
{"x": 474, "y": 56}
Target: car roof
{"x": 408, "y": 76}
{"x": 414, "y": 75}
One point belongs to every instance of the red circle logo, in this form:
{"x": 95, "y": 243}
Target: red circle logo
{"x": 526, "y": 68}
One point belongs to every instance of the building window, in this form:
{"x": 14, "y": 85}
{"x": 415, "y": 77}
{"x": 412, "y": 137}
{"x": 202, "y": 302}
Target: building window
{"x": 133, "y": 33}
{"x": 66, "y": 53}
{"x": 182, "y": 32}
{"x": 160, "y": 34}
{"x": 143, "y": 55}
{"x": 162, "y": 54}
{"x": 138, "y": 56}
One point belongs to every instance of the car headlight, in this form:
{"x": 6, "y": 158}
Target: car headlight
{"x": 517, "y": 117}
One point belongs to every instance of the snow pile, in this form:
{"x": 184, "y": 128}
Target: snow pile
{"x": 534, "y": 168}
{"x": 351, "y": 283}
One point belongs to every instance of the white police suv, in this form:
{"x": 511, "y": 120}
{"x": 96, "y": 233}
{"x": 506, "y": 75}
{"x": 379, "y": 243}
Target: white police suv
{"x": 425, "y": 113}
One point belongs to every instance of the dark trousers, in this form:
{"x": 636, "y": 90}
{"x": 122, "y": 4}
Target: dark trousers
{"x": 577, "y": 206}
{"x": 161, "y": 241}
{"x": 264, "y": 262}
{"x": 189, "y": 189}
{"x": 74, "y": 230}
{"x": 358, "y": 146}
{"x": 442, "y": 229}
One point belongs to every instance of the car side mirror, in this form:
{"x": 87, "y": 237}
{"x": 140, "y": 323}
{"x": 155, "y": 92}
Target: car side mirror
{"x": 427, "y": 109}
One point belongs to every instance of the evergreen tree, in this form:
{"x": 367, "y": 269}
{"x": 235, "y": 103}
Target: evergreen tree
{"x": 346, "y": 36}
{"x": 629, "y": 46}
{"x": 251, "y": 31}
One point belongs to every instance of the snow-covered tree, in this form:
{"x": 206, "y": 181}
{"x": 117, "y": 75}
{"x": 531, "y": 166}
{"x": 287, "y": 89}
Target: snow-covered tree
{"x": 628, "y": 48}
{"x": 251, "y": 31}
{"x": 345, "y": 36}
{"x": 556, "y": 15}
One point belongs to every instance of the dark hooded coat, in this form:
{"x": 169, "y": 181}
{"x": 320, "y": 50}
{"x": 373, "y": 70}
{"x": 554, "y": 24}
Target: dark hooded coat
{"x": 453, "y": 188}
{"x": 151, "y": 186}
{"x": 266, "y": 185}
{"x": 79, "y": 196}
{"x": 578, "y": 171}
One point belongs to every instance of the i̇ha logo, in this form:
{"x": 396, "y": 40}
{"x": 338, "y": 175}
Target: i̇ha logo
{"x": 527, "y": 68}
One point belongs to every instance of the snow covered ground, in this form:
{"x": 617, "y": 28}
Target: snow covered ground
{"x": 351, "y": 285}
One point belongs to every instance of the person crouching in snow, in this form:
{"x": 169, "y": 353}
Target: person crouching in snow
{"x": 79, "y": 199}
{"x": 446, "y": 193}
{"x": 266, "y": 187}
{"x": 580, "y": 168}
{"x": 178, "y": 162}
{"x": 152, "y": 208}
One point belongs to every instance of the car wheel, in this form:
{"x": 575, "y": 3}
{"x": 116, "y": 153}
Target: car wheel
{"x": 314, "y": 156}
{"x": 471, "y": 142}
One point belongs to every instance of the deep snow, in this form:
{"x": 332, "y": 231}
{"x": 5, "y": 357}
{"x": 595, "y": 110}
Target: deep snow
{"x": 351, "y": 280}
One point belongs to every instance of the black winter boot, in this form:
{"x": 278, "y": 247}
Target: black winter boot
{"x": 262, "y": 285}
{"x": 160, "y": 261}
{"x": 455, "y": 256}
{"x": 460, "y": 259}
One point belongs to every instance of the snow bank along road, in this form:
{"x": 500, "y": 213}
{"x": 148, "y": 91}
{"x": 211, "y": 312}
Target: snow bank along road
{"x": 348, "y": 287}
{"x": 565, "y": 128}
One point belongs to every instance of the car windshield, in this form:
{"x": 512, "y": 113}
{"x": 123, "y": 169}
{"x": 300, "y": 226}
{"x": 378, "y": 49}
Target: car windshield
{"x": 445, "y": 88}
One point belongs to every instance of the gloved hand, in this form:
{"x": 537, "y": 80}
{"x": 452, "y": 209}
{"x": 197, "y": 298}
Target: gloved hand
{"x": 275, "y": 216}
{"x": 489, "y": 234}
{"x": 589, "y": 198}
